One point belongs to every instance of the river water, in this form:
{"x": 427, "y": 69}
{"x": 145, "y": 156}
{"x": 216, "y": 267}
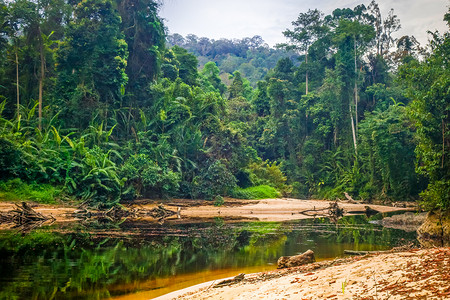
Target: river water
{"x": 142, "y": 260}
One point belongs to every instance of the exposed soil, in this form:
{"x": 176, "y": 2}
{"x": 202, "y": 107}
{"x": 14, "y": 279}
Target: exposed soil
{"x": 411, "y": 274}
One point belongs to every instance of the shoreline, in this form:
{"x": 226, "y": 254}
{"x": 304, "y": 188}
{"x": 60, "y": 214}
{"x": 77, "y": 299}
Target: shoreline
{"x": 266, "y": 210}
{"x": 394, "y": 274}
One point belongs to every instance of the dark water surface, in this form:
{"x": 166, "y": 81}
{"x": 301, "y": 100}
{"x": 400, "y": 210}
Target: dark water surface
{"x": 139, "y": 260}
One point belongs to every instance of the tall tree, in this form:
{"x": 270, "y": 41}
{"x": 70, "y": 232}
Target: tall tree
{"x": 145, "y": 36}
{"x": 351, "y": 38}
{"x": 307, "y": 29}
{"x": 428, "y": 85}
{"x": 91, "y": 62}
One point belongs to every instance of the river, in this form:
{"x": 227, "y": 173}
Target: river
{"x": 142, "y": 260}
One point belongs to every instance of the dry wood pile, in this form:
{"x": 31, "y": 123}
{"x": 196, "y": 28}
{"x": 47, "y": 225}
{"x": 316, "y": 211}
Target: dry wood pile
{"x": 120, "y": 212}
{"x": 333, "y": 211}
{"x": 24, "y": 217}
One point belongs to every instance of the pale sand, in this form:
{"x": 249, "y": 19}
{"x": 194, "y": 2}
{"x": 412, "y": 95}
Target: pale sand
{"x": 414, "y": 274}
{"x": 275, "y": 209}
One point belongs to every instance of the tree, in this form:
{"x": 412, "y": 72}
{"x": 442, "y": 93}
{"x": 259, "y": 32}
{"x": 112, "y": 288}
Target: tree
{"x": 308, "y": 28}
{"x": 211, "y": 73}
{"x": 428, "y": 84}
{"x": 387, "y": 154}
{"x": 188, "y": 65}
{"x": 144, "y": 34}
{"x": 348, "y": 35}
{"x": 91, "y": 63}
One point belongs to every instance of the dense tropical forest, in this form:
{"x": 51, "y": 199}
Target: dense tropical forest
{"x": 100, "y": 104}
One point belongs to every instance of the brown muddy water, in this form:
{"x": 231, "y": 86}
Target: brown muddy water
{"x": 143, "y": 260}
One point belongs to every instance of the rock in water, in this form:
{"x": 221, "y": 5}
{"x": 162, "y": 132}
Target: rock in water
{"x": 435, "y": 231}
{"x": 296, "y": 260}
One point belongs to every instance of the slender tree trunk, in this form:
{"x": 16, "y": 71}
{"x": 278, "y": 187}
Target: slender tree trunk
{"x": 356, "y": 92}
{"x": 17, "y": 85}
{"x": 41, "y": 77}
{"x": 353, "y": 127}
{"x": 443, "y": 143}
{"x": 306, "y": 62}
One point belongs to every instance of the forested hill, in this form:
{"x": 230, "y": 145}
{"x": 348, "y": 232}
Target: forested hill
{"x": 252, "y": 57}
{"x": 95, "y": 106}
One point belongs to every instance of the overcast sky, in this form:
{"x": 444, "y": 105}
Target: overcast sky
{"x": 229, "y": 19}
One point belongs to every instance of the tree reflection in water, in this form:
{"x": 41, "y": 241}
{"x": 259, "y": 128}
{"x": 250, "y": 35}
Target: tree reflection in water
{"x": 83, "y": 264}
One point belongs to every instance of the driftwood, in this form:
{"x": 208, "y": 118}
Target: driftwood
{"x": 160, "y": 212}
{"x": 296, "y": 260}
{"x": 231, "y": 281}
{"x": 353, "y": 252}
{"x": 370, "y": 211}
{"x": 119, "y": 212}
{"x": 24, "y": 217}
{"x": 333, "y": 211}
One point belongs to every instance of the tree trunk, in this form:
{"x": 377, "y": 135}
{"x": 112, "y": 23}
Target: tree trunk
{"x": 356, "y": 92}
{"x": 353, "y": 127}
{"x": 306, "y": 62}
{"x": 41, "y": 77}
{"x": 17, "y": 85}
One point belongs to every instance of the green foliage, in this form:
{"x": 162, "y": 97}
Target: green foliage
{"x": 17, "y": 190}
{"x": 147, "y": 178}
{"x": 387, "y": 150}
{"x": 126, "y": 116}
{"x": 218, "y": 200}
{"x": 255, "y": 192}
{"x": 265, "y": 173}
{"x": 427, "y": 84}
{"x": 91, "y": 62}
{"x": 94, "y": 178}
{"x": 212, "y": 181}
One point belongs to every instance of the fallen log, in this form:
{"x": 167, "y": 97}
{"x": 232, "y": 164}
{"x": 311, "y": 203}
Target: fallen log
{"x": 160, "y": 212}
{"x": 119, "y": 212}
{"x": 231, "y": 281}
{"x": 333, "y": 211}
{"x": 25, "y": 214}
{"x": 370, "y": 211}
{"x": 353, "y": 252}
{"x": 296, "y": 260}
{"x": 24, "y": 217}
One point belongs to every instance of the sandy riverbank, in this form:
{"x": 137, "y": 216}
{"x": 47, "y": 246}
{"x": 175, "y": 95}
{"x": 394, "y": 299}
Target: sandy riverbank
{"x": 412, "y": 274}
{"x": 277, "y": 210}
{"x": 285, "y": 209}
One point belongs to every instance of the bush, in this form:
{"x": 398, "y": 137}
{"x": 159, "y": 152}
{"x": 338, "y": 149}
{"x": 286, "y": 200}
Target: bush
{"x": 255, "y": 192}
{"x": 11, "y": 164}
{"x": 214, "y": 180}
{"x": 147, "y": 177}
{"x": 95, "y": 179}
{"x": 266, "y": 173}
{"x": 15, "y": 189}
{"x": 218, "y": 201}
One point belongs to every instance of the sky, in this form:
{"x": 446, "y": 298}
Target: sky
{"x": 230, "y": 19}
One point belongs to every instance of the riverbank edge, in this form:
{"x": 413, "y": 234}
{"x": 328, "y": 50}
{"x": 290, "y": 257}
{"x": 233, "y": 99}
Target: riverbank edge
{"x": 271, "y": 284}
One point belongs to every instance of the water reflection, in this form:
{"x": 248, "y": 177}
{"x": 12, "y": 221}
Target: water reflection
{"x": 95, "y": 262}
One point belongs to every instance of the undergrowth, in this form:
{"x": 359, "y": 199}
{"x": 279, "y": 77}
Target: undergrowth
{"x": 16, "y": 189}
{"x": 255, "y": 192}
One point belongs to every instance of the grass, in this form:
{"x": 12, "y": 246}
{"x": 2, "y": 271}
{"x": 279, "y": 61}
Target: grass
{"x": 255, "y": 192}
{"x": 16, "y": 189}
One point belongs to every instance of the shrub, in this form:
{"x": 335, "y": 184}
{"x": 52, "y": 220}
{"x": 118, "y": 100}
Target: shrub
{"x": 147, "y": 177}
{"x": 16, "y": 189}
{"x": 212, "y": 181}
{"x": 218, "y": 200}
{"x": 255, "y": 192}
{"x": 11, "y": 164}
{"x": 266, "y": 173}
{"x": 95, "y": 179}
